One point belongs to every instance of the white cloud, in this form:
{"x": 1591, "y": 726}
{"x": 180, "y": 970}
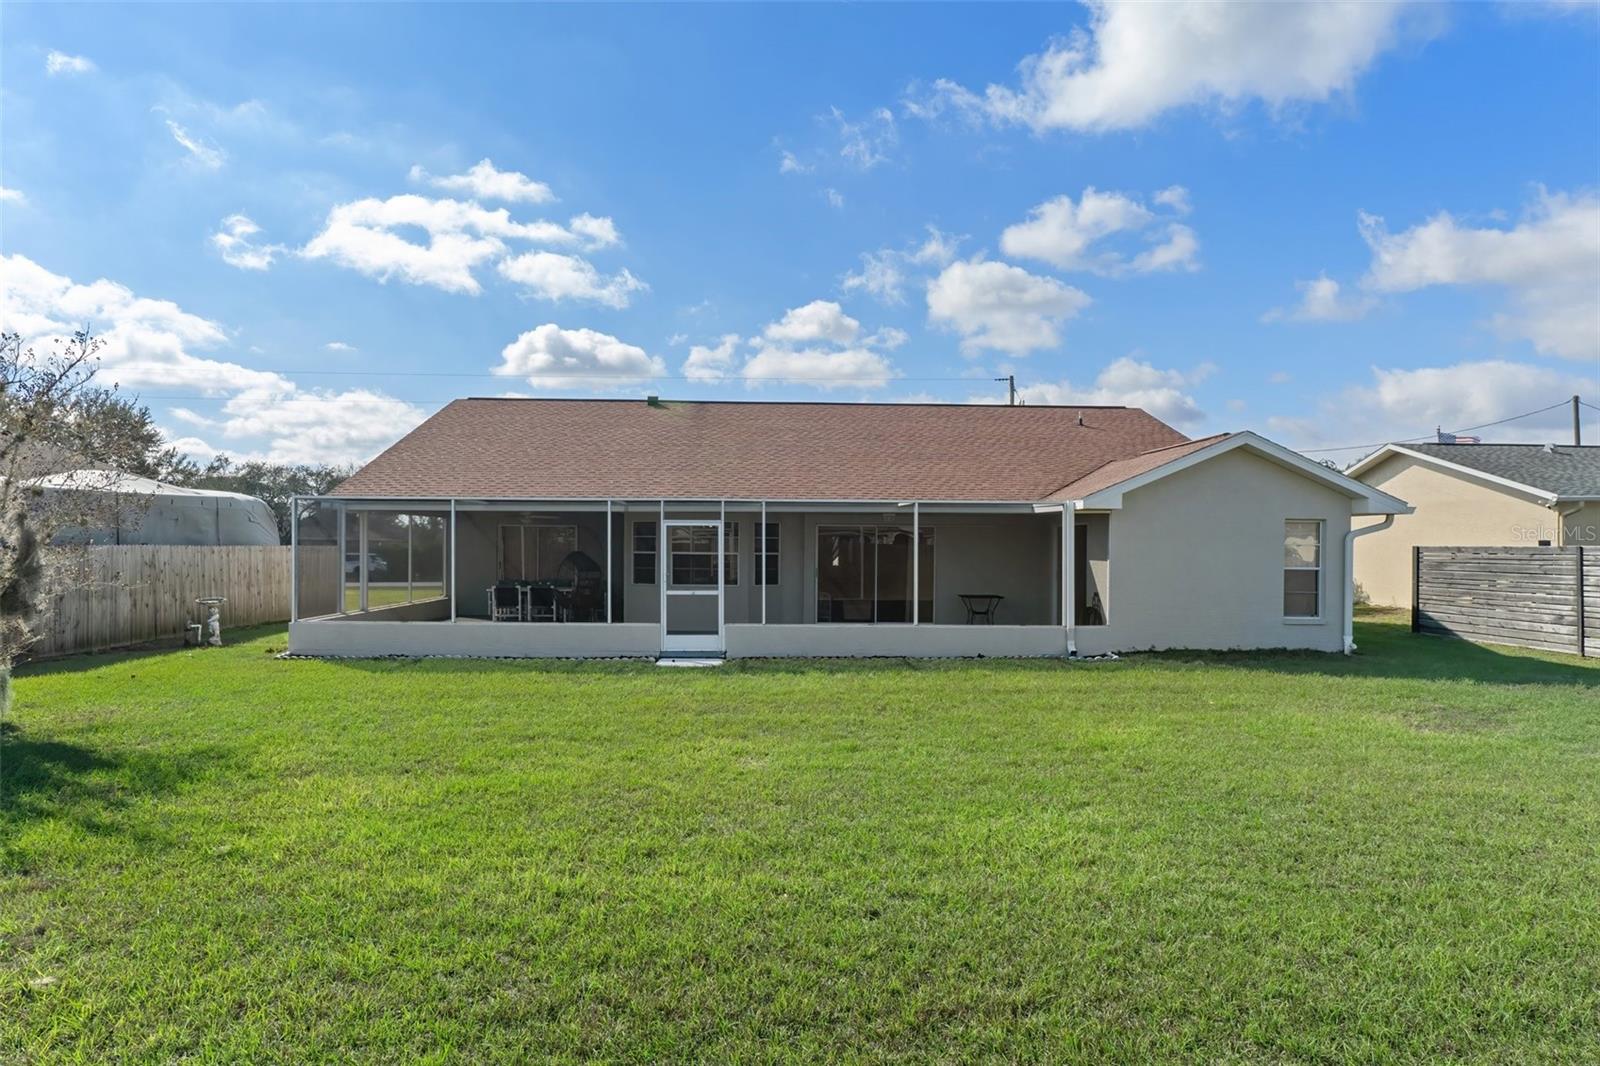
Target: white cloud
{"x": 1175, "y": 197}
{"x": 56, "y": 63}
{"x": 149, "y": 342}
{"x": 201, "y": 152}
{"x": 834, "y": 197}
{"x": 711, "y": 363}
{"x": 482, "y": 181}
{"x": 1128, "y": 382}
{"x": 366, "y": 236}
{"x": 596, "y": 232}
{"x": 1405, "y": 403}
{"x": 883, "y": 273}
{"x": 1322, "y": 300}
{"x": 551, "y": 276}
{"x": 866, "y": 142}
{"x": 789, "y": 164}
{"x": 551, "y": 357}
{"x": 823, "y": 368}
{"x": 12, "y": 196}
{"x": 1549, "y": 263}
{"x": 340, "y": 346}
{"x": 1001, "y": 307}
{"x": 1138, "y": 60}
{"x": 1065, "y": 234}
{"x": 819, "y": 320}
{"x": 236, "y": 241}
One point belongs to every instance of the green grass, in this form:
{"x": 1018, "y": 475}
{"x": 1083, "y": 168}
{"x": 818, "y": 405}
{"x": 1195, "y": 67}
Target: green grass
{"x": 388, "y": 595}
{"x": 219, "y": 855}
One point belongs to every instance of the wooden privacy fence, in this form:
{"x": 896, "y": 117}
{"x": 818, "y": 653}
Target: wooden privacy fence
{"x": 108, "y": 597}
{"x": 1532, "y": 597}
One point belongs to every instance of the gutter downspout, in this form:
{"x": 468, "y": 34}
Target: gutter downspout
{"x": 1561, "y": 520}
{"x": 1350, "y": 578}
{"x": 1069, "y": 571}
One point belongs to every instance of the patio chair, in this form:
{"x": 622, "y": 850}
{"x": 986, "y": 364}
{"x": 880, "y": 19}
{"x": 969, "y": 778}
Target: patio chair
{"x": 541, "y": 604}
{"x": 505, "y": 604}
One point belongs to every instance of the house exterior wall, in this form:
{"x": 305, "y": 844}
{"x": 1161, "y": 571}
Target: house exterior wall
{"x": 1452, "y": 510}
{"x": 1197, "y": 561}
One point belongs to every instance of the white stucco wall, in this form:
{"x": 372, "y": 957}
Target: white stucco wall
{"x": 1197, "y": 560}
{"x": 372, "y": 638}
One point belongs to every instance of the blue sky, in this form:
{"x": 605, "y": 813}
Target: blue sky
{"x": 301, "y": 229}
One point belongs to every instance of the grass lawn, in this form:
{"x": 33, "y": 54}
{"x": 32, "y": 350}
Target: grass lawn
{"x": 221, "y": 855}
{"x": 389, "y": 595}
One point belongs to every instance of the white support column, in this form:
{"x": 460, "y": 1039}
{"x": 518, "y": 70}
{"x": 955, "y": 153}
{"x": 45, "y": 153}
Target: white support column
{"x": 294, "y": 558}
{"x": 1069, "y": 570}
{"x": 344, "y": 521}
{"x": 451, "y": 537}
{"x": 608, "y": 562}
{"x": 361, "y": 541}
{"x": 761, "y": 563}
{"x": 722, "y": 573}
{"x": 916, "y": 563}
{"x": 411, "y": 570}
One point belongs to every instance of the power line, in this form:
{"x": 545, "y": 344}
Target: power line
{"x": 1425, "y": 436}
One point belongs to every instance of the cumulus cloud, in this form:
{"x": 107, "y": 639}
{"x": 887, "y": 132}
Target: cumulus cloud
{"x": 483, "y": 181}
{"x": 1322, "y": 300}
{"x": 1128, "y": 382}
{"x": 789, "y": 163}
{"x": 235, "y": 240}
{"x": 59, "y": 63}
{"x": 551, "y": 357}
{"x": 823, "y": 368}
{"x": 834, "y": 197}
{"x": 154, "y": 342}
{"x": 370, "y": 236}
{"x": 709, "y": 363}
{"x": 12, "y": 196}
{"x": 819, "y": 320}
{"x": 1397, "y": 404}
{"x": 340, "y": 346}
{"x": 883, "y": 273}
{"x": 1000, "y": 307}
{"x": 202, "y": 153}
{"x": 1548, "y": 263}
{"x": 1067, "y": 234}
{"x": 1138, "y": 60}
{"x": 552, "y": 276}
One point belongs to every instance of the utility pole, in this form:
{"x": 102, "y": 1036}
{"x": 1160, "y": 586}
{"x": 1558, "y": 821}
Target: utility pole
{"x": 1577, "y": 424}
{"x": 1011, "y": 391}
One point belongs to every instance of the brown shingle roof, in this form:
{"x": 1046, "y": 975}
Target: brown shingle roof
{"x": 1120, "y": 470}
{"x": 546, "y": 449}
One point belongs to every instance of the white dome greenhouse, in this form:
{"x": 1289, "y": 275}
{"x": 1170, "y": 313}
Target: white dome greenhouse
{"x": 157, "y": 513}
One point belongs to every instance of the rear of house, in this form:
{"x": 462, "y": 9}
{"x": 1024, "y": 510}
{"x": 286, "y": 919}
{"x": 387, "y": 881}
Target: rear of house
{"x": 645, "y": 528}
{"x": 1474, "y": 495}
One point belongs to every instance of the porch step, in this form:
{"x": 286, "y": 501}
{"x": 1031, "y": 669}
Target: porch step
{"x": 684, "y": 660}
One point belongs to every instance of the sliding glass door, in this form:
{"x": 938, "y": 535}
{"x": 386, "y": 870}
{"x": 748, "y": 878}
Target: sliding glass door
{"x": 866, "y": 574}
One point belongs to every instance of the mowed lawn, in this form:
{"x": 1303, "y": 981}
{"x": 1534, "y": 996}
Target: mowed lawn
{"x": 221, "y": 855}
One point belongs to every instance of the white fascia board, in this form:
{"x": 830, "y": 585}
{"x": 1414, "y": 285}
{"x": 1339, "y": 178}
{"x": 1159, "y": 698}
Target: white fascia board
{"x": 1444, "y": 464}
{"x": 1364, "y": 499}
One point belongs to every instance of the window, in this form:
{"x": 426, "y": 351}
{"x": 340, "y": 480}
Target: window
{"x": 1302, "y": 569}
{"x": 644, "y": 553}
{"x": 767, "y": 553}
{"x": 535, "y": 553}
{"x": 864, "y": 574}
{"x": 694, "y": 554}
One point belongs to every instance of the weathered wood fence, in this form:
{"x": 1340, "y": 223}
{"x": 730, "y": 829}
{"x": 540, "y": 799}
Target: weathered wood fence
{"x": 109, "y": 597}
{"x": 1532, "y": 597}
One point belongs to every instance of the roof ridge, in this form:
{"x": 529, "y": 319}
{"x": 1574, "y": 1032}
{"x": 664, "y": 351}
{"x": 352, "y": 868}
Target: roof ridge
{"x": 1169, "y": 447}
{"x": 806, "y": 403}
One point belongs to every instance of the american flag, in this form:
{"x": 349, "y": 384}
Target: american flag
{"x": 1456, "y": 438}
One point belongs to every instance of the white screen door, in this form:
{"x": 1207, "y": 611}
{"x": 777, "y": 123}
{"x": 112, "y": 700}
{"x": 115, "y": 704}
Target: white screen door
{"x": 691, "y": 586}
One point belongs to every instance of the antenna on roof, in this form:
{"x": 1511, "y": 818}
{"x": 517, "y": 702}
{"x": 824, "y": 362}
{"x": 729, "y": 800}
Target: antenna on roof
{"x": 1011, "y": 388}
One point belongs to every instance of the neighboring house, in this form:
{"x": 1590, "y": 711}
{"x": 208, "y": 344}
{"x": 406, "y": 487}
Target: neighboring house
{"x": 1473, "y": 495}
{"x": 828, "y": 529}
{"x": 128, "y": 509}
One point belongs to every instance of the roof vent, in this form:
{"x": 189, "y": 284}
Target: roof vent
{"x": 1549, "y": 449}
{"x": 1080, "y": 418}
{"x": 653, "y": 401}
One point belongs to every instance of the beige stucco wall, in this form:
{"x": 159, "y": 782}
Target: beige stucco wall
{"x": 1451, "y": 509}
{"x": 1197, "y": 560}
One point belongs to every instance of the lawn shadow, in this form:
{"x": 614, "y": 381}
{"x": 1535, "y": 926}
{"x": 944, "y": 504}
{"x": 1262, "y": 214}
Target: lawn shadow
{"x": 77, "y": 662}
{"x": 54, "y": 779}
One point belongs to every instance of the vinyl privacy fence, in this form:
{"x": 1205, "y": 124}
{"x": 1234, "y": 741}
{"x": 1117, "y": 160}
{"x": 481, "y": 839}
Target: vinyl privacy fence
{"x": 109, "y": 597}
{"x": 1546, "y": 598}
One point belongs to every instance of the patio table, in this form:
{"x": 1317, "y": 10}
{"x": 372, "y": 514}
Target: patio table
{"x": 981, "y": 607}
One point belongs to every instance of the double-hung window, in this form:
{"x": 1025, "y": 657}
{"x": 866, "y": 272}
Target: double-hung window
{"x": 644, "y": 553}
{"x": 766, "y": 553}
{"x": 1302, "y": 569}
